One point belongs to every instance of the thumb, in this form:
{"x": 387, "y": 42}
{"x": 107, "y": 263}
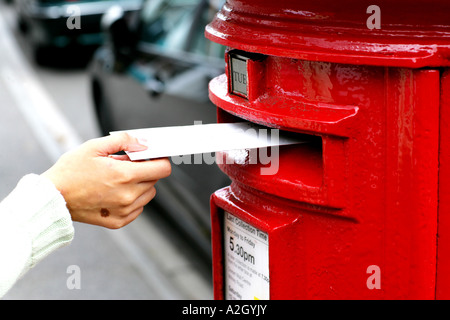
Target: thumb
{"x": 117, "y": 142}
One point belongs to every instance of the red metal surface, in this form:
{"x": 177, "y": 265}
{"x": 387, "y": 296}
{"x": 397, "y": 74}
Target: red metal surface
{"x": 368, "y": 197}
{"x": 412, "y": 33}
{"x": 365, "y": 192}
{"x": 443, "y": 267}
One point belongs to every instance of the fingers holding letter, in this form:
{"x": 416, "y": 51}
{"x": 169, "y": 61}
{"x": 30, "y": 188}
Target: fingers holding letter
{"x": 103, "y": 189}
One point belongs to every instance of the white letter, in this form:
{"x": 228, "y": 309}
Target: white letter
{"x": 198, "y": 158}
{"x": 374, "y": 281}
{"x": 186, "y": 159}
{"x": 374, "y": 21}
{"x": 209, "y": 158}
{"x": 229, "y": 309}
{"x": 213, "y": 310}
{"x": 263, "y": 308}
{"x": 274, "y": 158}
{"x": 74, "y": 281}
{"x": 229, "y": 159}
{"x": 74, "y": 21}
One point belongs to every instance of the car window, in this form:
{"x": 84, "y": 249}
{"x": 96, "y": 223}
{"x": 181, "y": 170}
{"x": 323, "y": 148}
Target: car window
{"x": 167, "y": 23}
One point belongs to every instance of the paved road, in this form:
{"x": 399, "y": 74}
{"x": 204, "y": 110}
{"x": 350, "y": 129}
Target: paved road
{"x": 145, "y": 260}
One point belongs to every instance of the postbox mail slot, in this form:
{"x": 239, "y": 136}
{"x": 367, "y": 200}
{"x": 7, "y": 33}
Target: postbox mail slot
{"x": 299, "y": 172}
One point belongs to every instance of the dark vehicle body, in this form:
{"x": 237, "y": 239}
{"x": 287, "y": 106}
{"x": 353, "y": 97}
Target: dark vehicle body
{"x": 61, "y": 24}
{"x": 155, "y": 73}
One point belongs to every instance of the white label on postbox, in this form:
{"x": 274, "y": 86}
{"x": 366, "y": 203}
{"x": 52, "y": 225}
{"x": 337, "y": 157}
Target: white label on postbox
{"x": 239, "y": 74}
{"x": 246, "y": 251}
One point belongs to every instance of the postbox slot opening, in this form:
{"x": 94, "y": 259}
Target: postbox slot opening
{"x": 296, "y": 167}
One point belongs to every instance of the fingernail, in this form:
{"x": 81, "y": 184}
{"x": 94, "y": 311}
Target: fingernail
{"x": 136, "y": 147}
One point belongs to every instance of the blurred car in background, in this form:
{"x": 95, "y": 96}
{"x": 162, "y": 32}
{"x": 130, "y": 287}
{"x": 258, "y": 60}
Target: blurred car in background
{"x": 154, "y": 72}
{"x": 60, "y": 24}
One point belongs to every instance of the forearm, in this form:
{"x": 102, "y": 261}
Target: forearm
{"x": 34, "y": 222}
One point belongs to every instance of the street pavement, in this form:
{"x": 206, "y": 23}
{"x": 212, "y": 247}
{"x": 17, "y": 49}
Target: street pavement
{"x": 145, "y": 260}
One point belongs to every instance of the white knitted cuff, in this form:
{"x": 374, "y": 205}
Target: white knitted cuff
{"x": 41, "y": 210}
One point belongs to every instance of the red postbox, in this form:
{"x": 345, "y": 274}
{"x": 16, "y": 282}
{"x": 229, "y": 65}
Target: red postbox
{"x": 360, "y": 211}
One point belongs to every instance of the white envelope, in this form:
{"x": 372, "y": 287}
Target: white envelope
{"x": 206, "y": 138}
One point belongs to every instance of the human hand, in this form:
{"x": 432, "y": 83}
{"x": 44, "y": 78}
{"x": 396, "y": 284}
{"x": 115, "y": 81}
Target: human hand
{"x": 104, "y": 189}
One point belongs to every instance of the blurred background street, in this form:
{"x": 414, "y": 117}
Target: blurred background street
{"x": 45, "y": 110}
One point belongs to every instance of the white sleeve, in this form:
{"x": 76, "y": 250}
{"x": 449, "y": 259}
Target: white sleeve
{"x": 34, "y": 221}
